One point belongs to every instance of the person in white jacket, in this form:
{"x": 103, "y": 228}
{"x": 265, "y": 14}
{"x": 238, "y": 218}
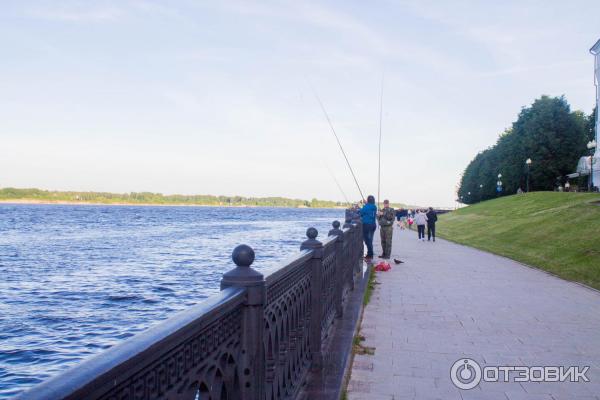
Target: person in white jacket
{"x": 421, "y": 221}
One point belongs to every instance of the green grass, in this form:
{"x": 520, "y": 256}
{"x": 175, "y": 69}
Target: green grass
{"x": 557, "y": 232}
{"x": 370, "y": 287}
{"x": 359, "y": 348}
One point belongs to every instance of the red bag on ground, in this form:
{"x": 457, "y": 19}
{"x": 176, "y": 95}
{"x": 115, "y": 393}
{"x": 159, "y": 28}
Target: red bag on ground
{"x": 383, "y": 266}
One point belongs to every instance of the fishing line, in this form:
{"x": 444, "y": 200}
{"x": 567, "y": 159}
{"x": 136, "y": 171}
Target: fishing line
{"x": 337, "y": 183}
{"x": 379, "y": 167}
{"x": 339, "y": 143}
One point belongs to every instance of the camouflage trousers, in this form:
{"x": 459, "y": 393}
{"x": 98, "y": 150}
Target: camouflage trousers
{"x": 386, "y": 233}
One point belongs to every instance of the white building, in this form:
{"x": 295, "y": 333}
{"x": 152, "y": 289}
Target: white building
{"x": 595, "y": 50}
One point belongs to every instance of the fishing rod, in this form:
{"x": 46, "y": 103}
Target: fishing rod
{"x": 339, "y": 144}
{"x": 379, "y": 167}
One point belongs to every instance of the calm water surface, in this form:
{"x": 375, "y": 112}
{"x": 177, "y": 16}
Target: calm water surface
{"x": 75, "y": 280}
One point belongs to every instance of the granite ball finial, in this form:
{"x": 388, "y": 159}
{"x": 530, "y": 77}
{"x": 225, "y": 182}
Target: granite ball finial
{"x": 336, "y": 224}
{"x": 243, "y": 255}
{"x": 312, "y": 233}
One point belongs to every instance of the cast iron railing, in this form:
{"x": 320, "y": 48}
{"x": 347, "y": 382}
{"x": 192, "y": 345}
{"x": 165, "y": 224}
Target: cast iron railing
{"x": 257, "y": 339}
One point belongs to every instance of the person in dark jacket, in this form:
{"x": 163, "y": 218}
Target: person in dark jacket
{"x": 402, "y": 216}
{"x": 401, "y": 213}
{"x": 431, "y": 220}
{"x": 368, "y": 214}
{"x": 385, "y": 218}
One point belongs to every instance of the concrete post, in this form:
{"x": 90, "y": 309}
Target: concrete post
{"x": 336, "y": 229}
{"x": 252, "y": 371}
{"x": 340, "y": 267}
{"x": 316, "y": 317}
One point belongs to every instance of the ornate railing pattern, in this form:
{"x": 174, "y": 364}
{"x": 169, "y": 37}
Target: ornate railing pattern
{"x": 349, "y": 276}
{"x": 257, "y": 339}
{"x": 287, "y": 323}
{"x": 328, "y": 285}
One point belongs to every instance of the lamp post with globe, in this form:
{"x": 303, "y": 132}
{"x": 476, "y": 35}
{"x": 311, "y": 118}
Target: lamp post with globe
{"x": 499, "y": 185}
{"x": 528, "y": 163}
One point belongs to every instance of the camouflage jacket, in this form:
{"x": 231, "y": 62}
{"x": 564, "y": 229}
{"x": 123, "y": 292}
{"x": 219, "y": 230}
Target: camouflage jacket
{"x": 387, "y": 218}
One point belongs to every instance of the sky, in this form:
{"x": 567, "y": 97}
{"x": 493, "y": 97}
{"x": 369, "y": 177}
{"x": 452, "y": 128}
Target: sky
{"x": 197, "y": 97}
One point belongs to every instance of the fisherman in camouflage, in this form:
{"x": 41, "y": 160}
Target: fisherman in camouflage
{"x": 386, "y": 218}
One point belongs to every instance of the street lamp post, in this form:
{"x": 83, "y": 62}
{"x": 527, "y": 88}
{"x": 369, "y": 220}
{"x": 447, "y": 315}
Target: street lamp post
{"x": 480, "y": 190}
{"x": 528, "y": 163}
{"x": 499, "y": 185}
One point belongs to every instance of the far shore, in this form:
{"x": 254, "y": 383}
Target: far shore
{"x": 89, "y": 203}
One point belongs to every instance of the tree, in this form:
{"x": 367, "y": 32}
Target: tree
{"x": 553, "y": 137}
{"x": 591, "y": 125}
{"x": 548, "y": 133}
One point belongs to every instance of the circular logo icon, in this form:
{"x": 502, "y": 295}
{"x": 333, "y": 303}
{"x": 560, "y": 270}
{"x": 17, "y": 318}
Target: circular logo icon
{"x": 465, "y": 373}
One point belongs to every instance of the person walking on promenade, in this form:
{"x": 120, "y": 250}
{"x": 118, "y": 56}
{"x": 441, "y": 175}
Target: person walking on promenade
{"x": 368, "y": 213}
{"x": 431, "y": 220}
{"x": 421, "y": 220}
{"x": 386, "y": 218}
{"x": 401, "y": 215}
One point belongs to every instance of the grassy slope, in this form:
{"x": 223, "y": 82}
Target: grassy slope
{"x": 557, "y": 232}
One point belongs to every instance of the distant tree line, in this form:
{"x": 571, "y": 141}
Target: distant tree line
{"x": 158, "y": 199}
{"x": 548, "y": 133}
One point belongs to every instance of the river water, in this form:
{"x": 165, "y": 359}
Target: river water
{"x": 76, "y": 279}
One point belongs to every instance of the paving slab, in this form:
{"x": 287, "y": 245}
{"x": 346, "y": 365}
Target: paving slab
{"x": 448, "y": 302}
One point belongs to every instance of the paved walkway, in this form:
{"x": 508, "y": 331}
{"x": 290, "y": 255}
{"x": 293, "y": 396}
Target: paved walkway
{"x": 449, "y": 302}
